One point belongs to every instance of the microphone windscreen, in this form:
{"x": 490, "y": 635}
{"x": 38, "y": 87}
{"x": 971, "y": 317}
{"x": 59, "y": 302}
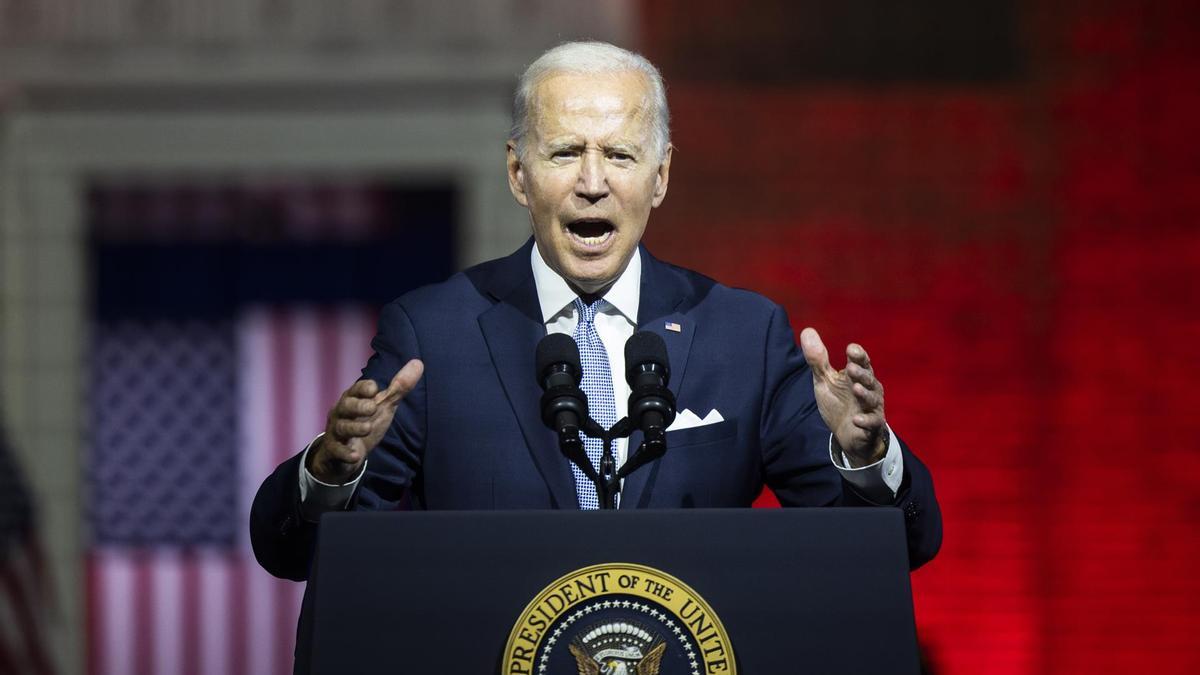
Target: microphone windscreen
{"x": 554, "y": 349}
{"x": 642, "y": 348}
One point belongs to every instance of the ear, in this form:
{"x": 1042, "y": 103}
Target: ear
{"x": 662, "y": 177}
{"x": 516, "y": 175}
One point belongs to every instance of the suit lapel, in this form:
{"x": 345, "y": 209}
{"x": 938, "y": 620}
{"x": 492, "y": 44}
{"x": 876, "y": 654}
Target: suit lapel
{"x": 662, "y": 299}
{"x": 512, "y": 328}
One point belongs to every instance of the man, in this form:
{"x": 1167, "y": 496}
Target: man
{"x": 447, "y": 416}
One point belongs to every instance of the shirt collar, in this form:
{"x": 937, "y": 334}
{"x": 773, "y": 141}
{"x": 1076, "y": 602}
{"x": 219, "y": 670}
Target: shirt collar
{"x": 554, "y": 295}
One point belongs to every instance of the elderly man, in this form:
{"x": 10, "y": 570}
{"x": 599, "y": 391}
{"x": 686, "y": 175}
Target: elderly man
{"x": 447, "y": 416}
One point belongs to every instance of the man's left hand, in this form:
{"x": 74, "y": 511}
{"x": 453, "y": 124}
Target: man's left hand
{"x": 850, "y": 400}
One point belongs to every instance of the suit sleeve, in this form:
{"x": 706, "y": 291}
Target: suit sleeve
{"x": 282, "y": 539}
{"x": 795, "y": 445}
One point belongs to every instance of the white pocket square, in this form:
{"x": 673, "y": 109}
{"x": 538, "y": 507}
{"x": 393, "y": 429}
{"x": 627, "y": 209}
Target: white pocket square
{"x": 686, "y": 419}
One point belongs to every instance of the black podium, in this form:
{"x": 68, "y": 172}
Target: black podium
{"x": 764, "y": 592}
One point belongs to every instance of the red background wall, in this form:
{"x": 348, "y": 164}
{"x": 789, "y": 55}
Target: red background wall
{"x": 1022, "y": 259}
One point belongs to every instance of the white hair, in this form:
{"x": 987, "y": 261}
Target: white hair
{"x": 591, "y": 58}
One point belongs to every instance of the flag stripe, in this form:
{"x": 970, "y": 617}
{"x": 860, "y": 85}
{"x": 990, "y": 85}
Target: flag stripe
{"x": 214, "y": 568}
{"x": 270, "y": 341}
{"x": 240, "y": 605}
{"x": 254, "y": 385}
{"x": 299, "y": 365}
{"x": 332, "y": 330}
{"x": 217, "y": 656}
{"x": 190, "y": 611}
{"x": 144, "y": 618}
{"x": 116, "y": 624}
{"x": 356, "y": 326}
{"x": 165, "y": 569}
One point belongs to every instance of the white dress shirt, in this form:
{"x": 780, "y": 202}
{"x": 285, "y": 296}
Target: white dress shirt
{"x": 616, "y": 321}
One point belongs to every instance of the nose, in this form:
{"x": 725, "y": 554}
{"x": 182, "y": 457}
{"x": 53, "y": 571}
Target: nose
{"x": 593, "y": 182}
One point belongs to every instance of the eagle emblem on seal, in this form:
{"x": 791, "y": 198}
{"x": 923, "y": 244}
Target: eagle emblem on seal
{"x": 618, "y": 648}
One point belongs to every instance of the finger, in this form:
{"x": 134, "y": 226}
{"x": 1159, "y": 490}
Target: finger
{"x": 356, "y": 407}
{"x": 402, "y": 382}
{"x": 870, "y": 422}
{"x": 347, "y": 429}
{"x": 352, "y": 428}
{"x": 856, "y": 354}
{"x": 815, "y": 353}
{"x": 345, "y": 452}
{"x": 868, "y": 399}
{"x": 363, "y": 389}
{"x": 861, "y": 375}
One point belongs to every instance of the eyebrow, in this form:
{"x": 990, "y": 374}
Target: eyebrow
{"x": 571, "y": 144}
{"x": 575, "y": 144}
{"x": 628, "y": 148}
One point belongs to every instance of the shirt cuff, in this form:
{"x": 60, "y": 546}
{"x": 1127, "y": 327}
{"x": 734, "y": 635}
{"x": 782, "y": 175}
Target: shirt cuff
{"x": 878, "y": 482}
{"x": 317, "y": 497}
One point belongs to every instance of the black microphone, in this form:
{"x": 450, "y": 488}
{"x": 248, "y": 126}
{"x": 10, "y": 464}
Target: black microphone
{"x": 564, "y": 405}
{"x": 651, "y": 404}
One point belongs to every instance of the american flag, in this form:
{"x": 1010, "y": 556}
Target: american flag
{"x": 228, "y": 320}
{"x": 24, "y": 587}
{"x": 191, "y": 417}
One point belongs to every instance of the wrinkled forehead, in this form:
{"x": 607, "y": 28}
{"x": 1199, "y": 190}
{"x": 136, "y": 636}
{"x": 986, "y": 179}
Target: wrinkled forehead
{"x": 619, "y": 98}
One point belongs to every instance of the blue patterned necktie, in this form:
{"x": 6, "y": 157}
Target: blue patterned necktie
{"x": 597, "y": 384}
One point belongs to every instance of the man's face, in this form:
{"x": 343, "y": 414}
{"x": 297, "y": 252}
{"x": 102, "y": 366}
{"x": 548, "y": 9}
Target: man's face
{"x": 590, "y": 174}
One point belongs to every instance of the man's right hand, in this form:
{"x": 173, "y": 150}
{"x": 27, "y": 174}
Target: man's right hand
{"x": 357, "y": 423}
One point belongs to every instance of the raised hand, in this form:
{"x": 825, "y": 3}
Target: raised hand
{"x": 850, "y": 400}
{"x": 357, "y": 423}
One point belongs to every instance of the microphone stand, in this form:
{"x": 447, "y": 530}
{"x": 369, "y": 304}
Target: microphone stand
{"x": 606, "y": 480}
{"x": 564, "y": 408}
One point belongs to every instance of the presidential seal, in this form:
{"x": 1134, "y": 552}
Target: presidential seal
{"x": 618, "y": 619}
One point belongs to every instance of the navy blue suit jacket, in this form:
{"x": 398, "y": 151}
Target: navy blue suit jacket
{"x": 470, "y": 436}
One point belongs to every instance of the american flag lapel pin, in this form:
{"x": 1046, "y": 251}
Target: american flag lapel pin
{"x": 674, "y": 327}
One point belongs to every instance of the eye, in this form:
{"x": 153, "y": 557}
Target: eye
{"x": 564, "y": 153}
{"x": 618, "y": 156}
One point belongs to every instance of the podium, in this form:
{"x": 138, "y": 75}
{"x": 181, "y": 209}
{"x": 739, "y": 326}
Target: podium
{"x": 561, "y": 592}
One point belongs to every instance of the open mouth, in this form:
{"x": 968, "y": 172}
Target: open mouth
{"x": 591, "y": 232}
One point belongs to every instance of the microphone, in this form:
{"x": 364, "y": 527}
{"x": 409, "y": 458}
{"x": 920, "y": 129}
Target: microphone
{"x": 564, "y": 405}
{"x": 651, "y": 404}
